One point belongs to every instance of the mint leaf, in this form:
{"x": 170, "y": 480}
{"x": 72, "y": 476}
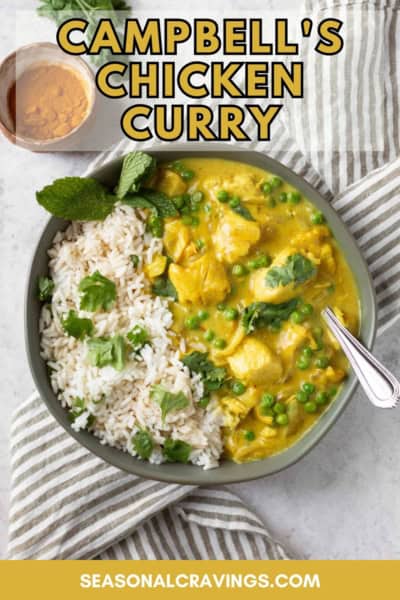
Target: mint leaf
{"x": 168, "y": 401}
{"x": 164, "y": 287}
{"x": 45, "y": 289}
{"x": 76, "y": 199}
{"x": 176, "y": 451}
{"x": 297, "y": 270}
{"x": 76, "y": 327}
{"x": 137, "y": 167}
{"x": 143, "y": 444}
{"x": 242, "y": 211}
{"x": 157, "y": 201}
{"x": 97, "y": 292}
{"x": 262, "y": 314}
{"x": 103, "y": 352}
{"x": 213, "y": 377}
{"x": 137, "y": 201}
{"x": 138, "y": 337}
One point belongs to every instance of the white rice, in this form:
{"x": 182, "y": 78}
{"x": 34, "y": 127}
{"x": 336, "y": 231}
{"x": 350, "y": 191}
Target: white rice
{"x": 120, "y": 401}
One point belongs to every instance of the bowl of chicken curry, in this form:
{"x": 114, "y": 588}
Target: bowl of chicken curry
{"x": 249, "y": 260}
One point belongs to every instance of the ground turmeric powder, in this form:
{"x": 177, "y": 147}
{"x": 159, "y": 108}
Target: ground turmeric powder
{"x": 48, "y": 101}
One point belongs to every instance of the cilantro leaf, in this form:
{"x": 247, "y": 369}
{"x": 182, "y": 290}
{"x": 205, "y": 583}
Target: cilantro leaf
{"x": 77, "y": 199}
{"x": 97, "y": 292}
{"x": 262, "y": 314}
{"x": 213, "y": 377}
{"x": 136, "y": 167}
{"x": 138, "y": 337}
{"x": 176, "y": 451}
{"x": 103, "y": 352}
{"x": 297, "y": 269}
{"x": 168, "y": 401}
{"x": 143, "y": 444}
{"x": 164, "y": 287}
{"x": 45, "y": 289}
{"x": 76, "y": 327}
{"x": 243, "y": 211}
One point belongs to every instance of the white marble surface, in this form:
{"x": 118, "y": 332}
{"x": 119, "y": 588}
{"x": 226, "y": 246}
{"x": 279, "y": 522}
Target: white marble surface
{"x": 340, "y": 502}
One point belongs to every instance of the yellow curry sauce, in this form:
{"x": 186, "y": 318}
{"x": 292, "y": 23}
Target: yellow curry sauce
{"x": 248, "y": 239}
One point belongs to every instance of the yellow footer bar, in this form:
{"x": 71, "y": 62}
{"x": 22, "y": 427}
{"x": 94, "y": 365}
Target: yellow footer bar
{"x": 199, "y": 579}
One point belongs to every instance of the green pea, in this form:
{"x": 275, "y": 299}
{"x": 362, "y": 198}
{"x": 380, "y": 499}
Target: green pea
{"x": 310, "y": 407}
{"x": 296, "y": 317}
{"x": 187, "y": 174}
{"x": 303, "y": 363}
{"x": 231, "y": 314}
{"x": 199, "y": 244}
{"x": 234, "y": 202}
{"x": 302, "y": 397}
{"x": 221, "y": 307}
{"x": 220, "y": 344}
{"x": 307, "y": 352}
{"x": 321, "y": 398}
{"x": 177, "y": 165}
{"x": 332, "y": 392}
{"x": 266, "y": 187}
{"x": 294, "y": 197}
{"x": 276, "y": 182}
{"x": 267, "y": 400}
{"x": 239, "y": 270}
{"x": 263, "y": 261}
{"x": 283, "y": 197}
{"x": 282, "y": 420}
{"x": 187, "y": 220}
{"x": 209, "y": 335}
{"x": 317, "y": 218}
{"x": 203, "y": 315}
{"x": 179, "y": 201}
{"x": 279, "y": 408}
{"x": 238, "y": 388}
{"x": 195, "y": 222}
{"x": 223, "y": 196}
{"x": 192, "y": 322}
{"x": 307, "y": 310}
{"x": 252, "y": 264}
{"x": 197, "y": 197}
{"x": 249, "y": 436}
{"x": 204, "y": 401}
{"x": 322, "y": 362}
{"x": 308, "y": 388}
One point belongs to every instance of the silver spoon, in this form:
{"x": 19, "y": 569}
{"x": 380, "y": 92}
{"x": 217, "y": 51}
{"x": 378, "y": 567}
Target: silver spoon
{"x": 381, "y": 386}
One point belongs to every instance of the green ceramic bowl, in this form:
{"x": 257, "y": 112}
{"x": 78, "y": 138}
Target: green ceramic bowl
{"x": 228, "y": 472}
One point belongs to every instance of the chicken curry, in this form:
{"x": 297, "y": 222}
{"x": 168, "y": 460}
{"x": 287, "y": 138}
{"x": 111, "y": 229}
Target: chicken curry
{"x": 250, "y": 264}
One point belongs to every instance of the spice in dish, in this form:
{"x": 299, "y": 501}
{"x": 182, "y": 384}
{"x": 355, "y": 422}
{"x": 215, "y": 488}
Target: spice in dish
{"x": 48, "y": 101}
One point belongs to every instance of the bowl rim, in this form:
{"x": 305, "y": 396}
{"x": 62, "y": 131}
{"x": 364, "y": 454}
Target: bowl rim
{"x": 228, "y": 471}
{"x": 48, "y": 143}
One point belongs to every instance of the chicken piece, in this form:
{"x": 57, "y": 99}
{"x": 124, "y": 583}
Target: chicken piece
{"x": 236, "y": 409}
{"x": 290, "y": 338}
{"x": 247, "y": 186}
{"x": 203, "y": 281}
{"x": 311, "y": 242}
{"x": 262, "y": 446}
{"x": 156, "y": 267}
{"x": 296, "y": 416}
{"x": 170, "y": 183}
{"x": 327, "y": 259}
{"x": 295, "y": 271}
{"x": 253, "y": 362}
{"x": 176, "y": 238}
{"x": 234, "y": 236}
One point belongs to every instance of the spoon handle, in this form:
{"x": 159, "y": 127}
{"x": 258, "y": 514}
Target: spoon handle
{"x": 381, "y": 386}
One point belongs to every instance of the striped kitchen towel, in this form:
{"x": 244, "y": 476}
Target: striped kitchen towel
{"x": 68, "y": 504}
{"x": 65, "y": 502}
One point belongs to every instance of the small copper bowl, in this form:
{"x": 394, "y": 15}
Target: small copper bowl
{"x": 12, "y": 68}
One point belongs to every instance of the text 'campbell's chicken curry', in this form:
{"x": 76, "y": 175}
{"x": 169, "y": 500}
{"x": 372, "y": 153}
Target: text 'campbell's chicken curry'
{"x": 251, "y": 264}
